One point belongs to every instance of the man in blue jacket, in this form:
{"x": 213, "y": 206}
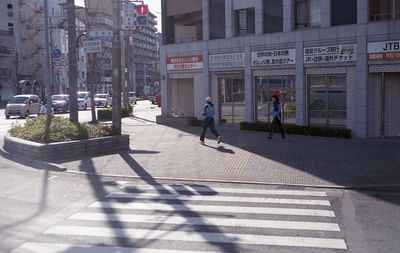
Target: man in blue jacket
{"x": 208, "y": 115}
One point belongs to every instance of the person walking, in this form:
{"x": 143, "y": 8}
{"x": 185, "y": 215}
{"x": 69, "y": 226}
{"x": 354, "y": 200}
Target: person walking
{"x": 276, "y": 117}
{"x": 208, "y": 115}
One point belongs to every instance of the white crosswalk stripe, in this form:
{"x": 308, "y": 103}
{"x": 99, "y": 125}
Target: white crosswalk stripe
{"x": 219, "y": 198}
{"x": 251, "y": 218}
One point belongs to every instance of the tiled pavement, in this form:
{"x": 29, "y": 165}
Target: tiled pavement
{"x": 175, "y": 152}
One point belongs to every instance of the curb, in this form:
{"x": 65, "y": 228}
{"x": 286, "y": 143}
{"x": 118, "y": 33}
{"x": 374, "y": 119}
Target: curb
{"x": 37, "y": 164}
{"x": 380, "y": 187}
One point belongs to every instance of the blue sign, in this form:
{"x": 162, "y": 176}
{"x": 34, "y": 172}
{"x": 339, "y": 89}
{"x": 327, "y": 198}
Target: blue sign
{"x": 57, "y": 53}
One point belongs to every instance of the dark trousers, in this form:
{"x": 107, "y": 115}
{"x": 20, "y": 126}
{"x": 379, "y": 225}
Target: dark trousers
{"x": 208, "y": 123}
{"x": 276, "y": 122}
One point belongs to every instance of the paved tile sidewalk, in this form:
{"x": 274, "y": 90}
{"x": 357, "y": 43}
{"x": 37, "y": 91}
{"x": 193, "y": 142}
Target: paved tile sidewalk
{"x": 162, "y": 151}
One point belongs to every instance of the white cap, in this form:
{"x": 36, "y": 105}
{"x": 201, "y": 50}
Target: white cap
{"x": 208, "y": 99}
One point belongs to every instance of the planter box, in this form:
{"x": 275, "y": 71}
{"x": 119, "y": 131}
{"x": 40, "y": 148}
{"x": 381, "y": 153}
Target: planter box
{"x": 167, "y": 120}
{"x": 65, "y": 150}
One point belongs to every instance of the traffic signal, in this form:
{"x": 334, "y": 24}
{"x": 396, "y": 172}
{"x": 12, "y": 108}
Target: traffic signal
{"x": 142, "y": 14}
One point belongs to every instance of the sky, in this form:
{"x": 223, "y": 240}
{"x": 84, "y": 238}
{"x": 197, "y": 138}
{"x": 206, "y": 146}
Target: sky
{"x": 154, "y": 6}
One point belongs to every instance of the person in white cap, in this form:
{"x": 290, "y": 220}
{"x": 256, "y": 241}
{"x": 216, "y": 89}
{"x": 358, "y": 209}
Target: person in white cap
{"x": 208, "y": 115}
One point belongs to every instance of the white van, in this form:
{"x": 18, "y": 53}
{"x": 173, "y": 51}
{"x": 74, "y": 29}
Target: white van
{"x": 84, "y": 101}
{"x": 23, "y": 106}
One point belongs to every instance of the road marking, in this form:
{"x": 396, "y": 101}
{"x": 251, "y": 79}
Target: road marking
{"x": 212, "y": 208}
{"x": 70, "y": 248}
{"x": 147, "y": 234}
{"x": 154, "y": 196}
{"x": 203, "y": 189}
{"x": 204, "y": 221}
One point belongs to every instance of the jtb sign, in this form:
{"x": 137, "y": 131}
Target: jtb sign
{"x": 388, "y": 50}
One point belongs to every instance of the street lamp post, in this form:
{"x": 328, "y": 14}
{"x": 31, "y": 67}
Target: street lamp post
{"x": 47, "y": 56}
{"x": 116, "y": 68}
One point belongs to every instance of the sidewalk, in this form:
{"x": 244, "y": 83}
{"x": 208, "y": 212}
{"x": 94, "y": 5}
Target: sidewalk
{"x": 162, "y": 151}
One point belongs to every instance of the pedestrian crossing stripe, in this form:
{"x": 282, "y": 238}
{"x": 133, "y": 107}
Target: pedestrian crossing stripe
{"x": 153, "y": 234}
{"x": 203, "y": 189}
{"x": 213, "y": 209}
{"x": 197, "y": 215}
{"x": 71, "y": 248}
{"x": 214, "y": 198}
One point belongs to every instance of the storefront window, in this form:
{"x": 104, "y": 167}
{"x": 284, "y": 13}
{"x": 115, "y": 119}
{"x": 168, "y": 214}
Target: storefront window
{"x": 231, "y": 100}
{"x": 327, "y": 100}
{"x": 285, "y": 86}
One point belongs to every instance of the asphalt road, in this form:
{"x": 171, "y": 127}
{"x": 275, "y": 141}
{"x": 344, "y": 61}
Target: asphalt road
{"x": 49, "y": 212}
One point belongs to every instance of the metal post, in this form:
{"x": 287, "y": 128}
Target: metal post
{"x": 47, "y": 55}
{"x": 72, "y": 67}
{"x": 116, "y": 68}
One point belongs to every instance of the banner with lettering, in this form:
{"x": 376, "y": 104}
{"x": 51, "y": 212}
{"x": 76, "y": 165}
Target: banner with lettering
{"x": 387, "y": 50}
{"x": 330, "y": 54}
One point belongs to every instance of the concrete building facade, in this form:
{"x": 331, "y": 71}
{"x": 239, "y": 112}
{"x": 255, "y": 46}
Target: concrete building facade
{"x": 335, "y": 63}
{"x": 8, "y": 53}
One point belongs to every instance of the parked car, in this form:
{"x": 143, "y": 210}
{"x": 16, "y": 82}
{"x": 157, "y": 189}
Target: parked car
{"x": 132, "y": 98}
{"x": 60, "y": 103}
{"x": 23, "y": 106}
{"x": 103, "y": 100}
{"x": 84, "y": 100}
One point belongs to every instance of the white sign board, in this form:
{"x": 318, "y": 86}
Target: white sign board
{"x": 185, "y": 63}
{"x": 330, "y": 54}
{"x": 273, "y": 57}
{"x": 232, "y": 60}
{"x": 92, "y": 46}
{"x": 129, "y": 10}
{"x": 105, "y": 35}
{"x": 387, "y": 50}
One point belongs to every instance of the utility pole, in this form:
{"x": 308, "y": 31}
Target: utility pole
{"x": 72, "y": 67}
{"x": 47, "y": 55}
{"x": 116, "y": 68}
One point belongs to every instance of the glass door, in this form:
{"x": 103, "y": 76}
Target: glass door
{"x": 231, "y": 100}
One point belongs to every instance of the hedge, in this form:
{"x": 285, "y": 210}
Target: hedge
{"x": 105, "y": 114}
{"x": 300, "y": 130}
{"x": 61, "y": 129}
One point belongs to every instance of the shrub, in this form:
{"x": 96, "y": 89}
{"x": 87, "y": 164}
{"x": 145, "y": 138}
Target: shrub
{"x": 60, "y": 129}
{"x": 300, "y": 130}
{"x": 106, "y": 113}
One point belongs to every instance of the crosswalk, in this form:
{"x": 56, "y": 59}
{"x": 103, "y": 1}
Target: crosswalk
{"x": 188, "y": 218}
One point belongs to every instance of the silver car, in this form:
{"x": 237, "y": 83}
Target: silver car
{"x": 23, "y": 106}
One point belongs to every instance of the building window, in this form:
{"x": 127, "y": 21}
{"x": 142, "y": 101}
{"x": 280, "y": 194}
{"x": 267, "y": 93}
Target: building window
{"x": 273, "y": 16}
{"x": 327, "y": 100}
{"x": 217, "y": 19}
{"x": 344, "y": 12}
{"x": 10, "y": 12}
{"x": 11, "y": 29}
{"x": 245, "y": 21}
{"x": 308, "y": 13}
{"x": 286, "y": 87}
{"x": 384, "y": 9}
{"x": 182, "y": 21}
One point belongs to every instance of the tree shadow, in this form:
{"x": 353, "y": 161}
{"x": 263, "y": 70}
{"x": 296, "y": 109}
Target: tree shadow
{"x": 161, "y": 189}
{"x": 355, "y": 164}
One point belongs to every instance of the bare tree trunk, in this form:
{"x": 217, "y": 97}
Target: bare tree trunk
{"x": 92, "y": 86}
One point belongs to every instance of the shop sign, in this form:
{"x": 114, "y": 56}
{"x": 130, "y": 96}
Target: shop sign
{"x": 330, "y": 54}
{"x": 387, "y": 50}
{"x": 232, "y": 60}
{"x": 185, "y": 63}
{"x": 273, "y": 57}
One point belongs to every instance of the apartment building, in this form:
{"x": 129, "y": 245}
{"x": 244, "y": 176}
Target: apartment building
{"x": 8, "y": 57}
{"x": 144, "y": 56}
{"x": 334, "y": 63}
